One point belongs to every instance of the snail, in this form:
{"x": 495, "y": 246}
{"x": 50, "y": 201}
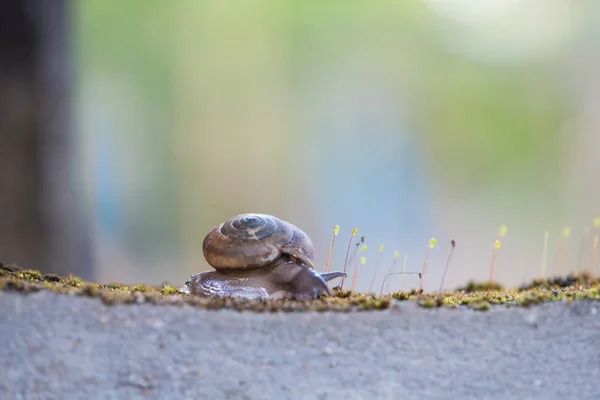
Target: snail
{"x": 259, "y": 256}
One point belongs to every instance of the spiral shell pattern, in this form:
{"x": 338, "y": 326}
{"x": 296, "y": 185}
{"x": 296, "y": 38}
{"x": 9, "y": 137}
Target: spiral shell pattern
{"x": 251, "y": 241}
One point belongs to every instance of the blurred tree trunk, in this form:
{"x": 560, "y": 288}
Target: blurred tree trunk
{"x": 40, "y": 223}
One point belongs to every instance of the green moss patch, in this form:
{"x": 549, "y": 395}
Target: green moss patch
{"x": 475, "y": 296}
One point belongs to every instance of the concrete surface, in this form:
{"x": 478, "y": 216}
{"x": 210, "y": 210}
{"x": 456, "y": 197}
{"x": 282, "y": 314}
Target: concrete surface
{"x": 65, "y": 347}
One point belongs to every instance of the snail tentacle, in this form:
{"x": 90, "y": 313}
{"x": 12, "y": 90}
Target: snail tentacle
{"x": 327, "y": 276}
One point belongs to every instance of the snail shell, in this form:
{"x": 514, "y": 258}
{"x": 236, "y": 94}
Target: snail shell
{"x": 251, "y": 241}
{"x": 259, "y": 256}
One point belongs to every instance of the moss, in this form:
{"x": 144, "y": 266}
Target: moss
{"x": 342, "y": 294}
{"x": 141, "y": 288}
{"x": 30, "y": 275}
{"x": 51, "y": 278}
{"x": 73, "y": 281}
{"x": 430, "y": 301}
{"x": 484, "y": 300}
{"x": 114, "y": 285}
{"x": 474, "y": 295}
{"x": 472, "y": 287}
{"x": 400, "y": 296}
{"x": 89, "y": 289}
{"x": 168, "y": 289}
{"x": 480, "y": 305}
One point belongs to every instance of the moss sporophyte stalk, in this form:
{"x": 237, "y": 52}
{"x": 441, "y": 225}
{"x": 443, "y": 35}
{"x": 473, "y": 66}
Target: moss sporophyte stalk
{"x": 473, "y": 295}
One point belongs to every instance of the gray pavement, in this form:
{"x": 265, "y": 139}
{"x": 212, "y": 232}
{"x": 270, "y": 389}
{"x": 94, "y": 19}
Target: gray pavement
{"x": 68, "y": 347}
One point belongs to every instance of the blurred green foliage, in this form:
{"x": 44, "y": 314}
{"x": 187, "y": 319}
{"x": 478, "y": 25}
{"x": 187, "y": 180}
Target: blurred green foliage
{"x": 221, "y": 95}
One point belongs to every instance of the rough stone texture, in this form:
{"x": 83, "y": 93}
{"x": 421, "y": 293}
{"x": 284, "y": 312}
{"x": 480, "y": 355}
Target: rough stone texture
{"x": 64, "y": 347}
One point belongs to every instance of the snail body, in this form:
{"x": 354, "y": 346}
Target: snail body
{"x": 259, "y": 256}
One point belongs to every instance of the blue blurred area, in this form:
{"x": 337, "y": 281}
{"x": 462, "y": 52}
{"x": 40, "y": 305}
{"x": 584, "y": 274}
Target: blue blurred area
{"x": 372, "y": 173}
{"x": 110, "y": 210}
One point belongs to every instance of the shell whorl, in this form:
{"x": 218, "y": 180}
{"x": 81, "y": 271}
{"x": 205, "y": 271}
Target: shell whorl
{"x": 251, "y": 241}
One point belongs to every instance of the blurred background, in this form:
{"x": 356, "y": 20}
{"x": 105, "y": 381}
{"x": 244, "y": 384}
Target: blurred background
{"x": 129, "y": 129}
